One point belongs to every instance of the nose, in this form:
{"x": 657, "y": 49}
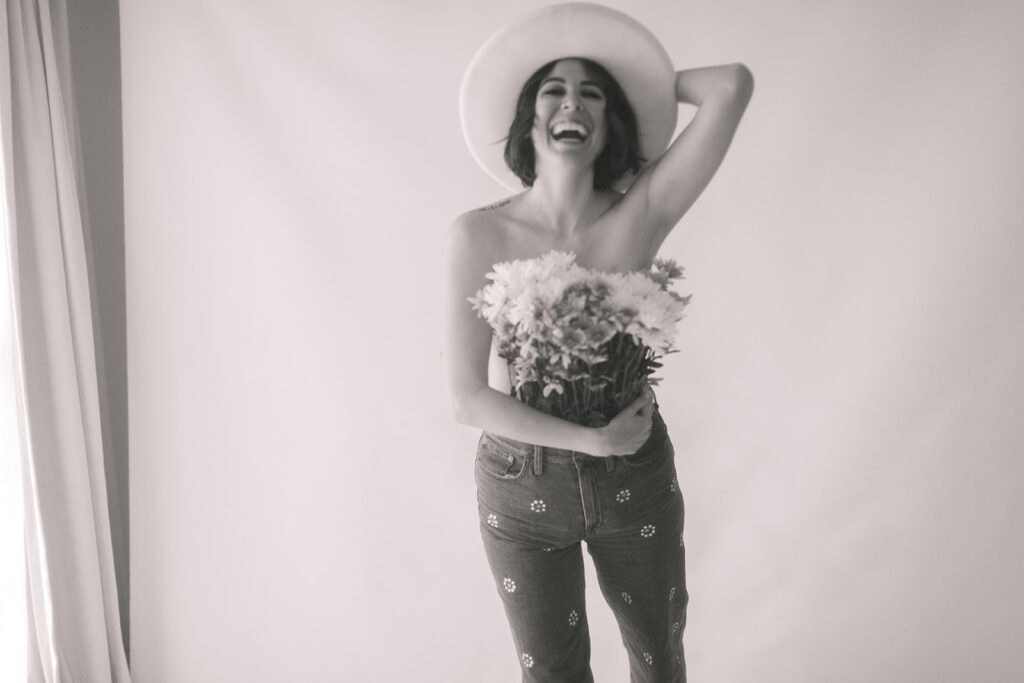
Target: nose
{"x": 571, "y": 102}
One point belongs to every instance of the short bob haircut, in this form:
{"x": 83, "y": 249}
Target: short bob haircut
{"x": 621, "y": 151}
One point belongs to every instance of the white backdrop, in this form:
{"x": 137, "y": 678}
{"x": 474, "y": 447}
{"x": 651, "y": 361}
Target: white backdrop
{"x": 845, "y": 408}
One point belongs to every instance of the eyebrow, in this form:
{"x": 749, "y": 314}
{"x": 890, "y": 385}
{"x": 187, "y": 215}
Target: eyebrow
{"x": 559, "y": 79}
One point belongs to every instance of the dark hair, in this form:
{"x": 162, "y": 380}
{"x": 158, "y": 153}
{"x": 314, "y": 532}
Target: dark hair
{"x": 621, "y": 151}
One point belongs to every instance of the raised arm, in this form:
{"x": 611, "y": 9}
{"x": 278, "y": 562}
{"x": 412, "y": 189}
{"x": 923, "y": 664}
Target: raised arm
{"x": 466, "y": 351}
{"x": 668, "y": 187}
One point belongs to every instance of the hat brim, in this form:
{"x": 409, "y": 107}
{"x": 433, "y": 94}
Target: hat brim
{"x": 616, "y": 41}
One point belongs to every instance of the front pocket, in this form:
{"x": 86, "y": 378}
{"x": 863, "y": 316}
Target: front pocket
{"x": 499, "y": 462}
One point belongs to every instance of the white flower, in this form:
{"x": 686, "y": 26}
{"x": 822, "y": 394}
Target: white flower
{"x": 562, "y": 328}
{"x": 552, "y": 387}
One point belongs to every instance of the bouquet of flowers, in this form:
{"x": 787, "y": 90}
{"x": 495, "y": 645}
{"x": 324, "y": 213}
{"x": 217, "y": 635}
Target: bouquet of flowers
{"x": 580, "y": 343}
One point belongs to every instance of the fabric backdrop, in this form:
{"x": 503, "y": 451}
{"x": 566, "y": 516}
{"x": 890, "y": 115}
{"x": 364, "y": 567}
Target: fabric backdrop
{"x": 845, "y": 406}
{"x": 70, "y": 608}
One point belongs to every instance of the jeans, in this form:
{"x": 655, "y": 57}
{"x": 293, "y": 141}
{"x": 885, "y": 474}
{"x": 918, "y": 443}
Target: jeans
{"x": 536, "y": 506}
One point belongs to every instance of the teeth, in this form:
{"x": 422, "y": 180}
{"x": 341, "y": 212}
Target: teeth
{"x": 570, "y": 126}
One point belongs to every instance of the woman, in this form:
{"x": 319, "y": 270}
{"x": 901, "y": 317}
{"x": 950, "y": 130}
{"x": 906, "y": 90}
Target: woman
{"x": 582, "y": 124}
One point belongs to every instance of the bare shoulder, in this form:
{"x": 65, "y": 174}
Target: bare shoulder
{"x": 479, "y": 236}
{"x": 500, "y": 204}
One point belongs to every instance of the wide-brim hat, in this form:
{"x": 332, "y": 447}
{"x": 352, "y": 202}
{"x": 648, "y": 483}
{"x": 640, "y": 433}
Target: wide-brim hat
{"x": 619, "y": 43}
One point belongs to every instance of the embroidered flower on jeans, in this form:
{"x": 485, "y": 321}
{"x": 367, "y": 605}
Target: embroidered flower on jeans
{"x": 627, "y": 598}
{"x": 538, "y": 506}
{"x": 548, "y": 550}
{"x": 493, "y": 520}
{"x": 680, "y": 540}
{"x": 527, "y": 660}
{"x": 648, "y": 658}
{"x": 675, "y": 627}
{"x": 509, "y": 584}
{"x": 672, "y": 486}
{"x": 574, "y": 618}
{"x": 647, "y": 531}
{"x": 672, "y": 593}
{"x": 622, "y": 496}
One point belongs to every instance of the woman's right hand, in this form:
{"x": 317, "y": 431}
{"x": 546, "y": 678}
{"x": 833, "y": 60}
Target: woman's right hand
{"x": 628, "y": 430}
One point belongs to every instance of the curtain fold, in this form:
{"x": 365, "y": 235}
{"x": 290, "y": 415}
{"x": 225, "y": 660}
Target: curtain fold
{"x": 74, "y": 624}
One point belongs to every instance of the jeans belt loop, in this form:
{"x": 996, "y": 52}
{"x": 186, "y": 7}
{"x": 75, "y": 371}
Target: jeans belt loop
{"x": 538, "y": 460}
{"x": 609, "y": 463}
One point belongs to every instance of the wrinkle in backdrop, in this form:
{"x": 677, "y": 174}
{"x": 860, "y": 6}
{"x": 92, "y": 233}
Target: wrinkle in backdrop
{"x": 72, "y": 621}
{"x": 844, "y": 406}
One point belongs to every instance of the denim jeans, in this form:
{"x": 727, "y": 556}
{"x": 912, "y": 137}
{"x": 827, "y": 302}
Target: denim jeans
{"x": 536, "y": 506}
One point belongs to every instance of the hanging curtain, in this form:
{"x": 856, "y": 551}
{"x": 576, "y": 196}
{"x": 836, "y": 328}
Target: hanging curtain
{"x": 74, "y": 625}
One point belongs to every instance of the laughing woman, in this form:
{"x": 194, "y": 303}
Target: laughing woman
{"x": 585, "y": 101}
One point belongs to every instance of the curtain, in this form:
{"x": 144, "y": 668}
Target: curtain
{"x": 74, "y": 625}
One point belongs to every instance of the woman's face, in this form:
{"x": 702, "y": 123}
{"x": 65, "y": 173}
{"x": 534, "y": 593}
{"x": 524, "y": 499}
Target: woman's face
{"x": 569, "y": 120}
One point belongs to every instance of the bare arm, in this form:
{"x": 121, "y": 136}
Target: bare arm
{"x": 667, "y": 188}
{"x": 466, "y": 350}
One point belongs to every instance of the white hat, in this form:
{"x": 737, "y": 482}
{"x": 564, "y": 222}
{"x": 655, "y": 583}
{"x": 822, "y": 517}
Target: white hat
{"x": 629, "y": 52}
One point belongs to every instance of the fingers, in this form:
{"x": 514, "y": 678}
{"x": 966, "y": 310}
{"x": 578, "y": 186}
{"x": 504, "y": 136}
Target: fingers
{"x": 633, "y": 426}
{"x": 638, "y": 404}
{"x": 645, "y": 403}
{"x": 641, "y": 438}
{"x": 644, "y": 400}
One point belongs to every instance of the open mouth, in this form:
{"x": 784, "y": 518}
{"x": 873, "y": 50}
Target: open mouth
{"x": 570, "y": 131}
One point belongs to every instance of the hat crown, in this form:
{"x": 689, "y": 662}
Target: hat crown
{"x": 624, "y": 47}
